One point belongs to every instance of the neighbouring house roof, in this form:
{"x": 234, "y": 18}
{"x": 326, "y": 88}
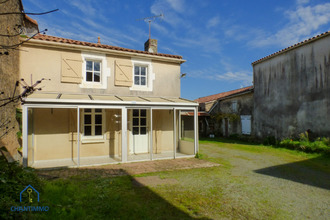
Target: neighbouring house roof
{"x": 87, "y": 99}
{"x": 190, "y": 113}
{"x": 48, "y": 38}
{"x": 223, "y": 95}
{"x": 293, "y": 47}
{"x": 30, "y": 20}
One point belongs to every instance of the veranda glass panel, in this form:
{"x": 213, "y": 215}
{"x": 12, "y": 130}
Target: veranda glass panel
{"x": 138, "y": 134}
{"x": 186, "y": 143}
{"x": 52, "y": 137}
{"x": 163, "y": 135}
{"x": 103, "y": 146}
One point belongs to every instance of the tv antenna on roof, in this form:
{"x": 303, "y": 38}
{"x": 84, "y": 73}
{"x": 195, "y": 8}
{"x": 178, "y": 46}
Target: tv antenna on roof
{"x": 150, "y": 19}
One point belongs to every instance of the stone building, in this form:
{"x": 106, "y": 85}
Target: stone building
{"x": 226, "y": 113}
{"x": 9, "y": 72}
{"x": 292, "y": 90}
{"x": 12, "y": 24}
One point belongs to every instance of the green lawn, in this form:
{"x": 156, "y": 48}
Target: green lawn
{"x": 206, "y": 193}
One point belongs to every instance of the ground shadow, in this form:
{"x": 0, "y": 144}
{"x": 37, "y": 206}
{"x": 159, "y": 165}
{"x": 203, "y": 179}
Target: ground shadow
{"x": 114, "y": 194}
{"x": 305, "y": 172}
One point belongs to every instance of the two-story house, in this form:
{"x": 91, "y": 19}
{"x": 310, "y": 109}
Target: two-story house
{"x": 102, "y": 104}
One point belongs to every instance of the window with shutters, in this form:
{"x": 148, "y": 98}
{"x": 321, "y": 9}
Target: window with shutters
{"x": 93, "y": 123}
{"x": 140, "y": 75}
{"x": 143, "y": 75}
{"x": 95, "y": 71}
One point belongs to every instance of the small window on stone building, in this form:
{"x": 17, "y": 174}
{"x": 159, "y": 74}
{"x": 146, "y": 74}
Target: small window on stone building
{"x": 234, "y": 106}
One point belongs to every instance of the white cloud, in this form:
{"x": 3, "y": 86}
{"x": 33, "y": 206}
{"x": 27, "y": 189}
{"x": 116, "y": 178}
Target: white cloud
{"x": 177, "y": 5}
{"x": 302, "y": 2}
{"x": 303, "y": 23}
{"x": 86, "y": 7}
{"x": 213, "y": 22}
{"x": 240, "y": 76}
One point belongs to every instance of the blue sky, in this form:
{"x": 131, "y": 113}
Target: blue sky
{"x": 218, "y": 38}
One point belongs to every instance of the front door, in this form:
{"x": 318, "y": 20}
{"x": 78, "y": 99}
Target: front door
{"x": 139, "y": 131}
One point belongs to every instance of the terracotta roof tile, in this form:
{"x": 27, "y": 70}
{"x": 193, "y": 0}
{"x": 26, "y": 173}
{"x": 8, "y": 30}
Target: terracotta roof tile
{"x": 292, "y": 47}
{"x": 104, "y": 46}
{"x": 222, "y": 95}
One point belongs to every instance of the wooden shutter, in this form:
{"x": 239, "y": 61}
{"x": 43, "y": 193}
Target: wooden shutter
{"x": 123, "y": 73}
{"x": 71, "y": 68}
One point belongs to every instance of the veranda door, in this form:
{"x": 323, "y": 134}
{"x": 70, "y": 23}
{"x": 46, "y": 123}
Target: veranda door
{"x": 140, "y": 131}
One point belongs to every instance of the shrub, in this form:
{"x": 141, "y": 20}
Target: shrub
{"x": 320, "y": 145}
{"x": 270, "y": 140}
{"x": 13, "y": 179}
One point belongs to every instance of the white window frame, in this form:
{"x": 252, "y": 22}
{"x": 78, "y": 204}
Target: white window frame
{"x": 93, "y": 71}
{"x": 150, "y": 76}
{"x": 92, "y": 138}
{"x": 104, "y": 71}
{"x": 140, "y": 75}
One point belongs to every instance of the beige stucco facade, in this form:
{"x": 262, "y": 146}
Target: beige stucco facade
{"x": 59, "y": 132}
{"x": 164, "y": 75}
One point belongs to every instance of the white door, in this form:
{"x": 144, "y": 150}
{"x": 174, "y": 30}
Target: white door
{"x": 139, "y": 132}
{"x": 246, "y": 124}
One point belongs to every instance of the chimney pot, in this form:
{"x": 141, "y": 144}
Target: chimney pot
{"x": 98, "y": 40}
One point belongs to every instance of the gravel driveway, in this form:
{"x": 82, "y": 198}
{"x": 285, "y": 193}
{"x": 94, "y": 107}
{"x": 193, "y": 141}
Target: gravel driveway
{"x": 286, "y": 183}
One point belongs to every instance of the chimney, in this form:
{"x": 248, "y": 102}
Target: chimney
{"x": 98, "y": 40}
{"x": 151, "y": 45}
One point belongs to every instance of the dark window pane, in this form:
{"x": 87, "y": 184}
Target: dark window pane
{"x": 97, "y": 66}
{"x": 88, "y": 110}
{"x": 88, "y": 131}
{"x": 98, "y": 119}
{"x": 97, "y": 77}
{"x": 143, "y": 130}
{"x": 98, "y": 130}
{"x": 98, "y": 110}
{"x": 88, "y": 119}
{"x": 143, "y": 121}
{"x": 135, "y": 130}
{"x": 136, "y": 80}
{"x": 143, "y": 71}
{"x": 143, "y": 81}
{"x": 143, "y": 113}
{"x": 89, "y": 65}
{"x": 135, "y": 121}
{"x": 89, "y": 76}
{"x": 136, "y": 70}
{"x": 135, "y": 112}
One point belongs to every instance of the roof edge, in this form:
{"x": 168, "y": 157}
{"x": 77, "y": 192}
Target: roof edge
{"x": 64, "y": 42}
{"x": 307, "y": 41}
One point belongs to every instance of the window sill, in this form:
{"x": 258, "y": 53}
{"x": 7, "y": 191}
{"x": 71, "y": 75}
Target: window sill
{"x": 140, "y": 88}
{"x": 92, "y": 140}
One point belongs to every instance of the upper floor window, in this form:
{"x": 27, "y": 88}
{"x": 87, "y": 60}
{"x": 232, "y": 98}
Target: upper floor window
{"x": 143, "y": 75}
{"x": 93, "y": 71}
{"x": 140, "y": 75}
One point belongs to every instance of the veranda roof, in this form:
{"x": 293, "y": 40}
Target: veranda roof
{"x": 87, "y": 99}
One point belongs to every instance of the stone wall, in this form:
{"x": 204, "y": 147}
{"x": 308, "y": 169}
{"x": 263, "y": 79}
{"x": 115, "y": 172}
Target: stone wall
{"x": 244, "y": 106}
{"x": 9, "y": 72}
{"x": 292, "y": 92}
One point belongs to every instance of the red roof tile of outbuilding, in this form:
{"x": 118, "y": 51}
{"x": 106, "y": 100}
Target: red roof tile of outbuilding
{"x": 222, "y": 95}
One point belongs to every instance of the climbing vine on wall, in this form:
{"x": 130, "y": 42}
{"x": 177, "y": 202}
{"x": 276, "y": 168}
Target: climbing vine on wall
{"x": 231, "y": 117}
